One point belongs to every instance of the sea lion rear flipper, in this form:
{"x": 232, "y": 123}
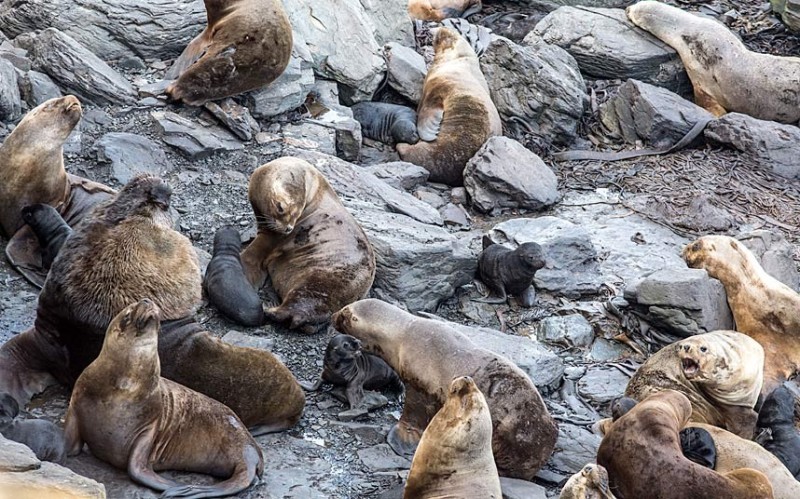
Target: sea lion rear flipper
{"x": 698, "y": 446}
{"x": 527, "y": 298}
{"x": 311, "y": 387}
{"x": 194, "y": 51}
{"x": 486, "y": 241}
{"x": 429, "y": 121}
{"x": 25, "y": 255}
{"x": 707, "y": 102}
{"x": 139, "y": 468}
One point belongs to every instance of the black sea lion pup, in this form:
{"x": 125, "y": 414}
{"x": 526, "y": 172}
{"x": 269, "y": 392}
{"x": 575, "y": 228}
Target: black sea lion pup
{"x": 777, "y": 414}
{"x": 346, "y": 365}
{"x": 589, "y": 483}
{"x": 698, "y": 446}
{"x": 45, "y": 439}
{"x": 226, "y": 285}
{"x": 138, "y": 421}
{"x": 51, "y": 230}
{"x": 509, "y": 272}
{"x": 387, "y": 123}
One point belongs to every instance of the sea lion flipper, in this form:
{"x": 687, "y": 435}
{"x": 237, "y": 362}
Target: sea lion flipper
{"x": 311, "y": 387}
{"x": 429, "y": 122}
{"x": 707, "y": 102}
{"x": 72, "y": 435}
{"x": 528, "y": 297}
{"x": 139, "y": 467}
{"x": 402, "y": 441}
{"x": 25, "y": 255}
{"x": 355, "y": 392}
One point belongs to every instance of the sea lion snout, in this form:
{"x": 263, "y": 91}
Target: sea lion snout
{"x": 145, "y": 315}
{"x": 462, "y": 386}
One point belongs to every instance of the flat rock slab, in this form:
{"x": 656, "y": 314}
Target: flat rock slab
{"x": 192, "y": 139}
{"x": 400, "y": 174}
{"x": 575, "y": 447}
{"x": 521, "y": 489}
{"x": 602, "y": 384}
{"x": 382, "y": 458}
{"x": 130, "y": 154}
{"x": 16, "y": 457}
{"x": 571, "y": 330}
{"x": 50, "y": 480}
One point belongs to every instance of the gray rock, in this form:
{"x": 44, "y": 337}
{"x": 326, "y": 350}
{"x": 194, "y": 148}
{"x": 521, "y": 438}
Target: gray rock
{"x": 16, "y": 56}
{"x": 521, "y": 489}
{"x": 458, "y": 195}
{"x": 347, "y": 131}
{"x": 391, "y": 21}
{"x": 539, "y": 83}
{"x": 369, "y": 434}
{"x": 16, "y": 457}
{"x": 773, "y": 146}
{"x": 193, "y": 140}
{"x": 643, "y": 112}
{"x": 406, "y": 70}
{"x": 130, "y": 154}
{"x": 572, "y": 330}
{"x": 775, "y": 254}
{"x": 575, "y": 447}
{"x": 608, "y": 46}
{"x": 289, "y": 90}
{"x": 382, "y": 458}
{"x": 51, "y": 480}
{"x": 602, "y": 384}
{"x": 604, "y": 350}
{"x": 704, "y": 215}
{"x": 155, "y": 89}
{"x": 550, "y": 5}
{"x": 430, "y": 196}
{"x": 38, "y": 87}
{"x": 10, "y": 100}
{"x": 789, "y": 12}
{"x": 236, "y": 118}
{"x": 78, "y": 70}
{"x": 504, "y": 174}
{"x": 399, "y": 174}
{"x": 454, "y": 214}
{"x": 310, "y": 136}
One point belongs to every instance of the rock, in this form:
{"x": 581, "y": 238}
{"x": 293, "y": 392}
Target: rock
{"x": 521, "y": 489}
{"x": 608, "y": 46}
{"x": 604, "y": 350}
{"x": 572, "y": 330}
{"x": 51, "y": 480}
{"x": 575, "y": 447}
{"x": 430, "y": 196}
{"x": 369, "y": 434}
{"x": 382, "y": 458}
{"x": 236, "y": 118}
{"x": 399, "y": 174}
{"x": 453, "y": 214}
{"x": 155, "y": 89}
{"x": 705, "y": 216}
{"x": 774, "y": 253}
{"x": 112, "y": 29}
{"x": 38, "y": 87}
{"x": 347, "y": 131}
{"x": 406, "y": 70}
{"x": 130, "y": 154}
{"x": 78, "y": 70}
{"x": 773, "y": 146}
{"x": 289, "y": 90}
{"x": 193, "y": 140}
{"x": 16, "y": 56}
{"x": 310, "y": 136}
{"x": 16, "y": 457}
{"x": 789, "y": 12}
{"x": 551, "y": 5}
{"x": 391, "y": 21}
{"x": 602, "y": 384}
{"x": 539, "y": 83}
{"x": 458, "y": 195}
{"x": 504, "y": 174}
{"x": 10, "y": 101}
{"x": 643, "y": 112}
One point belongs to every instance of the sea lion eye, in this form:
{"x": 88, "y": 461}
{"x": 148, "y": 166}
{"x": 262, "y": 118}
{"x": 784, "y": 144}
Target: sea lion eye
{"x": 704, "y": 349}
{"x": 279, "y": 207}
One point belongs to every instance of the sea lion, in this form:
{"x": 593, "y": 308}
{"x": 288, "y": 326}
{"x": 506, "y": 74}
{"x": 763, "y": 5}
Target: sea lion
{"x": 32, "y": 171}
{"x": 387, "y": 123}
{"x": 777, "y": 415}
{"x": 438, "y": 10}
{"x": 427, "y": 355}
{"x": 50, "y": 229}
{"x": 138, "y": 421}
{"x": 45, "y": 439}
{"x": 589, "y": 483}
{"x": 456, "y": 115}
{"x": 226, "y": 284}
{"x": 697, "y": 446}
{"x": 509, "y": 272}
{"x": 246, "y": 45}
{"x": 763, "y": 307}
{"x": 454, "y": 457}
{"x": 315, "y": 253}
{"x": 346, "y": 365}
{"x": 720, "y": 373}
{"x": 642, "y": 454}
{"x": 725, "y": 75}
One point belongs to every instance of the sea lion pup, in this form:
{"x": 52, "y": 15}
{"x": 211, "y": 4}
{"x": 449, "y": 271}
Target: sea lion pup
{"x": 226, "y": 285}
{"x": 777, "y": 415}
{"x": 438, "y": 10}
{"x": 763, "y": 307}
{"x": 346, "y": 365}
{"x": 427, "y": 355}
{"x": 387, "y": 123}
{"x": 454, "y": 457}
{"x": 32, "y": 171}
{"x": 456, "y": 115}
{"x": 720, "y": 373}
{"x": 138, "y": 421}
{"x": 246, "y": 45}
{"x": 589, "y": 483}
{"x": 315, "y": 253}
{"x": 45, "y": 439}
{"x": 50, "y": 229}
{"x": 642, "y": 453}
{"x": 725, "y": 75}
{"x": 509, "y": 272}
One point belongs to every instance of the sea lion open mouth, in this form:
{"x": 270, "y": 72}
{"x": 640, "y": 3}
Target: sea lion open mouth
{"x": 690, "y": 368}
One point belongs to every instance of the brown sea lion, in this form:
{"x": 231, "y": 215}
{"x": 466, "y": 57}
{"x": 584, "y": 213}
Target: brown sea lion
{"x": 32, "y": 171}
{"x": 720, "y": 373}
{"x": 50, "y": 229}
{"x": 313, "y": 250}
{"x": 508, "y": 272}
{"x": 777, "y": 416}
{"x": 428, "y": 354}
{"x": 454, "y": 457}
{"x": 589, "y": 483}
{"x": 642, "y": 453}
{"x": 45, "y": 439}
{"x": 763, "y": 307}
{"x": 725, "y": 75}
{"x": 438, "y": 10}
{"x": 456, "y": 115}
{"x": 246, "y": 45}
{"x": 138, "y": 421}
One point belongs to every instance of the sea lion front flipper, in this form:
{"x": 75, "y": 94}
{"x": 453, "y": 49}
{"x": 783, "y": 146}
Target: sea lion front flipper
{"x": 707, "y": 102}
{"x": 311, "y": 387}
{"x": 527, "y": 298}
{"x": 698, "y": 446}
{"x": 429, "y": 122}
{"x": 191, "y": 54}
{"x": 495, "y": 297}
{"x": 73, "y": 443}
{"x": 140, "y": 470}
{"x": 25, "y": 255}
{"x": 355, "y": 391}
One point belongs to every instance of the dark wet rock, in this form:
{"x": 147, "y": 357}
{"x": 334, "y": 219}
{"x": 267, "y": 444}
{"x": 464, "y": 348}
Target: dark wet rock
{"x": 521, "y": 489}
{"x": 79, "y": 71}
{"x": 289, "y": 90}
{"x": 399, "y": 174}
{"x": 10, "y": 100}
{"x": 236, "y": 118}
{"x": 775, "y": 254}
{"x": 643, "y": 112}
{"x": 193, "y": 140}
{"x": 382, "y": 458}
{"x": 406, "y": 70}
{"x": 570, "y": 330}
{"x": 602, "y": 384}
{"x": 575, "y": 447}
{"x": 38, "y": 87}
{"x": 539, "y": 84}
{"x": 504, "y": 174}
{"x": 130, "y": 154}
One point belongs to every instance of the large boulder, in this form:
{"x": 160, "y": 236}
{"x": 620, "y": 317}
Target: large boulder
{"x": 775, "y": 254}
{"x": 289, "y": 90}
{"x": 407, "y": 71}
{"x": 391, "y": 21}
{"x": 10, "y": 100}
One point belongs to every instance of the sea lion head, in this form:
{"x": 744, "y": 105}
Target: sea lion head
{"x": 343, "y": 348}
{"x": 589, "y": 483}
{"x": 778, "y": 409}
{"x": 49, "y": 124}
{"x": 133, "y": 333}
{"x": 465, "y": 396}
{"x": 717, "y": 254}
{"x": 9, "y": 409}
{"x": 448, "y": 44}
{"x": 146, "y": 196}
{"x": 652, "y": 16}
{"x": 531, "y": 256}
{"x": 280, "y": 191}
{"x": 368, "y": 320}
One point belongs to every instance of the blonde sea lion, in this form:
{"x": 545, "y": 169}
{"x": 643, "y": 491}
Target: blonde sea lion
{"x": 721, "y": 373}
{"x": 725, "y": 75}
{"x": 589, "y": 483}
{"x": 763, "y": 307}
{"x": 138, "y": 421}
{"x": 246, "y": 45}
{"x": 454, "y": 457}
{"x": 438, "y": 10}
{"x": 428, "y": 354}
{"x": 456, "y": 115}
{"x": 312, "y": 249}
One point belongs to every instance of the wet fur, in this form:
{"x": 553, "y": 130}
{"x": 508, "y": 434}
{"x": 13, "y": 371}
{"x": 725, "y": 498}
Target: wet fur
{"x": 508, "y": 272}
{"x": 45, "y": 439}
{"x": 51, "y": 230}
{"x": 387, "y": 123}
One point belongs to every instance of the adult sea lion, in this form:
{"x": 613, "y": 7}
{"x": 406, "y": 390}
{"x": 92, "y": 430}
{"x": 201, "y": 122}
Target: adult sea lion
{"x": 438, "y": 10}
{"x": 246, "y": 45}
{"x": 387, "y": 123}
{"x": 777, "y": 415}
{"x": 45, "y": 439}
{"x": 454, "y": 457}
{"x": 725, "y": 75}
{"x": 428, "y": 354}
{"x": 763, "y": 307}
{"x": 138, "y": 421}
{"x": 589, "y": 483}
{"x": 456, "y": 115}
{"x": 50, "y": 229}
{"x": 313, "y": 250}
{"x": 642, "y": 453}
{"x": 720, "y": 373}
{"x": 509, "y": 272}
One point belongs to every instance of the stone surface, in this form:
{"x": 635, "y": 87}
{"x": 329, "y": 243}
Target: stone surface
{"x": 604, "y": 350}
{"x": 406, "y": 70}
{"x": 16, "y": 56}
{"x": 10, "y": 100}
{"x": 539, "y": 84}
{"x": 391, "y": 21}
{"x": 382, "y": 458}
{"x": 643, "y": 112}
{"x": 78, "y": 70}
{"x": 16, "y": 457}
{"x": 289, "y": 90}
{"x": 572, "y": 330}
{"x": 602, "y": 384}
{"x": 773, "y": 146}
{"x": 608, "y": 46}
{"x": 192, "y": 139}
{"x": 521, "y": 489}
{"x": 504, "y": 174}
{"x": 575, "y": 447}
{"x": 789, "y": 12}
{"x": 774, "y": 253}
{"x": 236, "y": 118}
{"x": 51, "y": 480}
{"x": 399, "y": 174}
{"x": 454, "y": 214}
{"x": 38, "y": 87}
{"x": 130, "y": 154}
